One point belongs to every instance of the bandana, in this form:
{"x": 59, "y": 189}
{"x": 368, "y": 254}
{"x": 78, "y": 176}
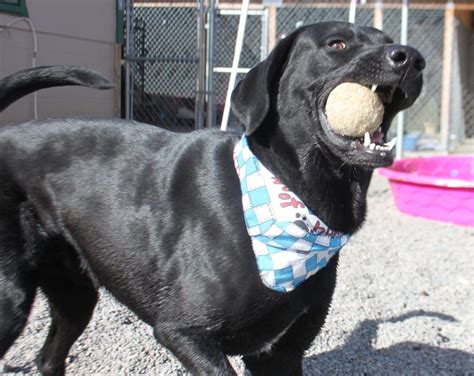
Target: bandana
{"x": 290, "y": 242}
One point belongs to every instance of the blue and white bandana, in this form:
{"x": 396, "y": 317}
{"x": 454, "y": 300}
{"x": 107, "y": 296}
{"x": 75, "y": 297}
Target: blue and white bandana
{"x": 290, "y": 243}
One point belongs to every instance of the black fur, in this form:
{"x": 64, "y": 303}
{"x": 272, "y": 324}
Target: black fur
{"x": 25, "y": 82}
{"x": 156, "y": 217}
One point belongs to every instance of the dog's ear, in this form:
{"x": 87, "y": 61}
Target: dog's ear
{"x": 251, "y": 98}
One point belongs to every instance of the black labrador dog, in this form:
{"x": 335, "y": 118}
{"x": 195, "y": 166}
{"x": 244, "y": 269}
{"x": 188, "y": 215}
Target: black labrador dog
{"x": 156, "y": 217}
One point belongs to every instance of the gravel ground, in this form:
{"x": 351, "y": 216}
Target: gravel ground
{"x": 403, "y": 306}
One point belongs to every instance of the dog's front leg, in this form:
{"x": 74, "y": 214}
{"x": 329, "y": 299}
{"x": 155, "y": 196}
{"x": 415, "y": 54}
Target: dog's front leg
{"x": 277, "y": 362}
{"x": 200, "y": 355}
{"x": 285, "y": 356}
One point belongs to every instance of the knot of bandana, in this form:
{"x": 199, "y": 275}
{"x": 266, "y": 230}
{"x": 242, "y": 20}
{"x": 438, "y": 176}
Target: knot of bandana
{"x": 289, "y": 241}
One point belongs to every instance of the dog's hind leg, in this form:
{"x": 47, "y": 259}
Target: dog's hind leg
{"x": 17, "y": 291}
{"x": 72, "y": 297}
{"x": 17, "y": 279}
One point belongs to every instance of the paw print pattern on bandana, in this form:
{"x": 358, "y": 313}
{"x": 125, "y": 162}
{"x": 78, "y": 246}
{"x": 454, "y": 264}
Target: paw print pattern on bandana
{"x": 290, "y": 243}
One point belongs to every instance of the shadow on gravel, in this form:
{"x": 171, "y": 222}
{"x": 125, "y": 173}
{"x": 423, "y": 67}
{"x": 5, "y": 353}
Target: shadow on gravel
{"x": 358, "y": 357}
{"x": 25, "y": 370}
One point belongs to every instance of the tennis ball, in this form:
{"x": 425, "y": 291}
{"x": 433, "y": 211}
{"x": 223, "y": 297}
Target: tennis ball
{"x": 353, "y": 109}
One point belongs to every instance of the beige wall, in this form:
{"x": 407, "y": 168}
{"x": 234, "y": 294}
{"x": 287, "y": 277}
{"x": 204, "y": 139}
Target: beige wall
{"x": 72, "y": 32}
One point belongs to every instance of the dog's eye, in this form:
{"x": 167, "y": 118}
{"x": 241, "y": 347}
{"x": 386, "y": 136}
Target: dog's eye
{"x": 337, "y": 44}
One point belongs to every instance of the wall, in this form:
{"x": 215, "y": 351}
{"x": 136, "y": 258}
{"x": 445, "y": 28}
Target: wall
{"x": 69, "y": 32}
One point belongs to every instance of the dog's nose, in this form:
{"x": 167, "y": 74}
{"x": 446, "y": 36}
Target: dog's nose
{"x": 403, "y": 56}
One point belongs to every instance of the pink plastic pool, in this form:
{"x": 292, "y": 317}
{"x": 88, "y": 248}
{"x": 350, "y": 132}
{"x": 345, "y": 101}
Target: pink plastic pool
{"x": 440, "y": 188}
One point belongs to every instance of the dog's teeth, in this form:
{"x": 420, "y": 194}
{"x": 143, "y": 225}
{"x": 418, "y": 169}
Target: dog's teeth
{"x": 391, "y": 144}
{"x": 374, "y": 87}
{"x": 366, "y": 139}
{"x": 372, "y": 146}
{"x": 381, "y": 147}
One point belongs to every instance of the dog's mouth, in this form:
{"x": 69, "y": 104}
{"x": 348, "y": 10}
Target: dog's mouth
{"x": 373, "y": 149}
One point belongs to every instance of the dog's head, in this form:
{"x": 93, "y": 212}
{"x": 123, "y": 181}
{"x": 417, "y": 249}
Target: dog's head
{"x": 287, "y": 92}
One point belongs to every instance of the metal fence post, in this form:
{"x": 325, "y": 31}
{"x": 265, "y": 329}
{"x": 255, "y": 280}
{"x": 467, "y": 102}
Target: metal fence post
{"x": 401, "y": 115}
{"x": 129, "y": 41}
{"x": 272, "y": 26}
{"x": 378, "y": 14}
{"x": 352, "y": 11}
{"x": 447, "y": 70}
{"x": 211, "y": 95}
{"x": 201, "y": 78}
{"x": 264, "y": 40}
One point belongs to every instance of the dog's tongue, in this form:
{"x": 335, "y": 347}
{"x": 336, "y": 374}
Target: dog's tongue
{"x": 376, "y": 137}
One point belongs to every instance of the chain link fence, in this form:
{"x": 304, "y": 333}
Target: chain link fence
{"x": 462, "y": 100}
{"x": 425, "y": 32}
{"x": 164, "y": 66}
{"x": 166, "y": 55}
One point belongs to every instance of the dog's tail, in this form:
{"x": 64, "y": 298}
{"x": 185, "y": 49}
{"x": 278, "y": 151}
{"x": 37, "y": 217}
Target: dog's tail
{"x": 27, "y": 81}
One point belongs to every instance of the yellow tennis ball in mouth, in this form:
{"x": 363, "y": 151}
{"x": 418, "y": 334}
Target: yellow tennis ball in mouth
{"x": 353, "y": 109}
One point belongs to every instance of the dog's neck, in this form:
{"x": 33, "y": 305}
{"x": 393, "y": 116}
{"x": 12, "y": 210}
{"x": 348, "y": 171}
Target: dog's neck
{"x": 336, "y": 192}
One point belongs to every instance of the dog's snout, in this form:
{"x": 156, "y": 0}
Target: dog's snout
{"x": 398, "y": 57}
{"x": 404, "y": 56}
{"x": 419, "y": 63}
